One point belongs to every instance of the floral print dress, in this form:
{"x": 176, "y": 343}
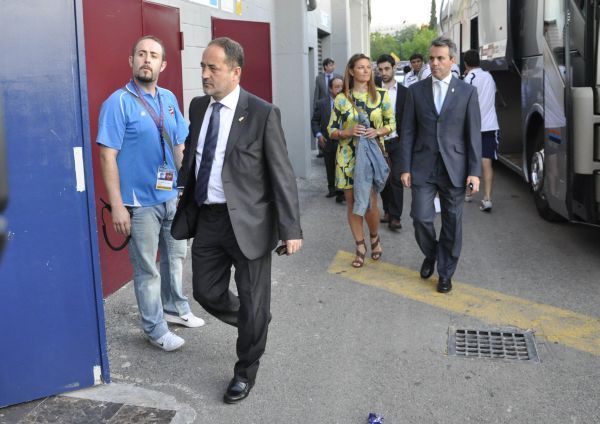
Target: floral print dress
{"x": 344, "y": 116}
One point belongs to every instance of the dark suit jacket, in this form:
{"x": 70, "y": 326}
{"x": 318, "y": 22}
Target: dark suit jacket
{"x": 401, "y": 92}
{"x": 258, "y": 180}
{"x": 321, "y": 88}
{"x": 455, "y": 132}
{"x": 320, "y": 121}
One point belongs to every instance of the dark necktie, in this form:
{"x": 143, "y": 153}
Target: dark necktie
{"x": 208, "y": 154}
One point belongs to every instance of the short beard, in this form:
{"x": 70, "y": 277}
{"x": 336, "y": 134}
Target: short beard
{"x": 143, "y": 78}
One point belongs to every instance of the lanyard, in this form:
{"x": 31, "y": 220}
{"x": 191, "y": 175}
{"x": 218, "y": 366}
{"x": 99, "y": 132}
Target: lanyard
{"x": 158, "y": 120}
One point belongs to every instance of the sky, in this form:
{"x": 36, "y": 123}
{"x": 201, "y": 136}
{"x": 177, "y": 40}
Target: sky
{"x": 401, "y": 12}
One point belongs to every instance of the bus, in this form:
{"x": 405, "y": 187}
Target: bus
{"x": 543, "y": 55}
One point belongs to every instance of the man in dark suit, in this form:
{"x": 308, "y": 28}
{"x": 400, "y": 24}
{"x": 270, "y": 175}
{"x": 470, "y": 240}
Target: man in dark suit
{"x": 392, "y": 195}
{"x": 319, "y": 123}
{"x": 322, "y": 87}
{"x": 441, "y": 153}
{"x": 239, "y": 199}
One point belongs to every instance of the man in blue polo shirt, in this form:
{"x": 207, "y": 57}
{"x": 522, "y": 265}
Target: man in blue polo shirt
{"x": 141, "y": 134}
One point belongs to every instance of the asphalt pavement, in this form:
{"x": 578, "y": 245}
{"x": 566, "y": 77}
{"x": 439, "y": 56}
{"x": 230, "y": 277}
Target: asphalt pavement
{"x": 344, "y": 342}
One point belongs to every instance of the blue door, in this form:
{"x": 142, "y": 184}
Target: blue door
{"x": 51, "y": 318}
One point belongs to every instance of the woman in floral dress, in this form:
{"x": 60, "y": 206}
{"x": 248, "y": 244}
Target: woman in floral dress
{"x": 359, "y": 94}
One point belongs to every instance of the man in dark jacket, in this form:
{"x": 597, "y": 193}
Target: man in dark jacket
{"x": 393, "y": 195}
{"x": 319, "y": 122}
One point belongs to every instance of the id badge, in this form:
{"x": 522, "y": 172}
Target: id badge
{"x": 165, "y": 178}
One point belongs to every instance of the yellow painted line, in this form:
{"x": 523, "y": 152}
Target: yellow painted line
{"x": 566, "y": 327}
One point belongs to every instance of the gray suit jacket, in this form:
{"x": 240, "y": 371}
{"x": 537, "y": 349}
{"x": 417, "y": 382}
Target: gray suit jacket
{"x": 455, "y": 132}
{"x": 258, "y": 180}
{"x": 321, "y": 89}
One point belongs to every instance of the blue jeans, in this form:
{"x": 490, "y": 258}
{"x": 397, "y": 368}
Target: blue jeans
{"x": 151, "y": 232}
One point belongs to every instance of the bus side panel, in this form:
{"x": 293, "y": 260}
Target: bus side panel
{"x": 532, "y": 106}
{"x": 508, "y": 109}
{"x": 556, "y": 140}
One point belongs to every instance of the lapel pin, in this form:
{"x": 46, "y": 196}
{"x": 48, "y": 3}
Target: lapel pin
{"x": 453, "y": 90}
{"x": 241, "y": 118}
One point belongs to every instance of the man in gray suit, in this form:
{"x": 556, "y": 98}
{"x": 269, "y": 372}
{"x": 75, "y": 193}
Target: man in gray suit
{"x": 441, "y": 153}
{"x": 322, "y": 81}
{"x": 239, "y": 199}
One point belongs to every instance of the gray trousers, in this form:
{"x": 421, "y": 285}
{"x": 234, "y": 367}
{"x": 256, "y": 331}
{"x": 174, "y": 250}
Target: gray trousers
{"x": 446, "y": 250}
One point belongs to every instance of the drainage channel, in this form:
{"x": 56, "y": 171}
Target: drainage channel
{"x": 503, "y": 343}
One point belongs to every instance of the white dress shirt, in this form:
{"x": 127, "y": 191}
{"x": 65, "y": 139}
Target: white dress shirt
{"x": 215, "y": 185}
{"x": 445, "y": 83}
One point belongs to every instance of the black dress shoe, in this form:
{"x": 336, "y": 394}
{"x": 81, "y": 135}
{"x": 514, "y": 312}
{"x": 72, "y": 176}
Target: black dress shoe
{"x": 340, "y": 198}
{"x": 444, "y": 285}
{"x": 394, "y": 224}
{"x": 237, "y": 390}
{"x": 427, "y": 268}
{"x": 331, "y": 194}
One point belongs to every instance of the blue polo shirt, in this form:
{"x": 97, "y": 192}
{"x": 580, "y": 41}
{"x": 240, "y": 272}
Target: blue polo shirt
{"x": 125, "y": 125}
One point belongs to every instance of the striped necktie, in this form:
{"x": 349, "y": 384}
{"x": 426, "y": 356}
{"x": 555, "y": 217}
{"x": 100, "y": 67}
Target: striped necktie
{"x": 208, "y": 154}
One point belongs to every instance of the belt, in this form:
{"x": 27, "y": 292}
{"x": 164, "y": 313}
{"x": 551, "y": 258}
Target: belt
{"x": 392, "y": 140}
{"x": 214, "y": 206}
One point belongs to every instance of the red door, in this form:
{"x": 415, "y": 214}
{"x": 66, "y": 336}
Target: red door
{"x": 255, "y": 38}
{"x": 163, "y": 22}
{"x": 111, "y": 27}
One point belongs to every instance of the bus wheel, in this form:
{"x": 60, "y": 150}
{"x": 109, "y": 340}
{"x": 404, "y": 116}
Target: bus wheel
{"x": 536, "y": 178}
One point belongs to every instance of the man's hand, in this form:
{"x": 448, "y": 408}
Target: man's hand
{"x": 475, "y": 181}
{"x": 405, "y": 178}
{"x": 321, "y": 141}
{"x": 292, "y": 246}
{"x": 121, "y": 220}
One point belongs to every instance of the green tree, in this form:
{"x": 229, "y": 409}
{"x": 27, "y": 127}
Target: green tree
{"x": 407, "y": 33}
{"x": 418, "y": 44}
{"x": 383, "y": 44}
{"x": 432, "y": 16}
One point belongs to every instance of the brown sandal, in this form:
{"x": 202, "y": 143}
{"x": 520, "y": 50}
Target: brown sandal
{"x": 359, "y": 260}
{"x": 375, "y": 255}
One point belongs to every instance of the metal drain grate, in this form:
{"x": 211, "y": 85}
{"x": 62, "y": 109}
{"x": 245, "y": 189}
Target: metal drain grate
{"x": 493, "y": 344}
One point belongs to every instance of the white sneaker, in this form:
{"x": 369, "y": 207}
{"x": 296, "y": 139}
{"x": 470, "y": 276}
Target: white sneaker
{"x": 486, "y": 206}
{"x": 168, "y": 342}
{"x": 188, "y": 320}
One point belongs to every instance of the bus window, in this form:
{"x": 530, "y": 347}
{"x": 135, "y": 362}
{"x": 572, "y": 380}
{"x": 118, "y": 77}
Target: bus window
{"x": 581, "y": 6}
{"x": 554, "y": 25}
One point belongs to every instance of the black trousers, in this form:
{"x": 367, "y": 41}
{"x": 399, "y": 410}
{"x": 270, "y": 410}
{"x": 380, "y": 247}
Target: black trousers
{"x": 214, "y": 251}
{"x": 329, "y": 153}
{"x": 392, "y": 196}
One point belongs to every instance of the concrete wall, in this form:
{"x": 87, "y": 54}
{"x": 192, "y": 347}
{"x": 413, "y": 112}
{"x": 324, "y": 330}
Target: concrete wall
{"x": 340, "y": 45}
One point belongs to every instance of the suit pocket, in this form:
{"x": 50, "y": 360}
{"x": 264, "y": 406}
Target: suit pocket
{"x": 459, "y": 149}
{"x": 248, "y": 154}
